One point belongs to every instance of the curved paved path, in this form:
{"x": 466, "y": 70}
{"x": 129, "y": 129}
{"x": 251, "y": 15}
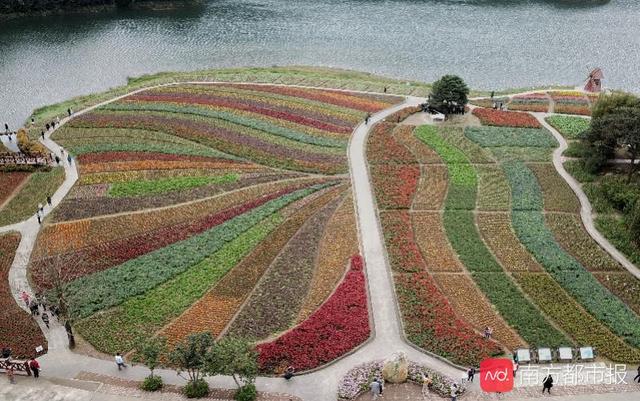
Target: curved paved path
{"x": 586, "y": 211}
{"x": 320, "y": 385}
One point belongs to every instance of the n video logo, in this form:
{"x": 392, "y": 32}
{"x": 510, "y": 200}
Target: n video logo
{"x": 496, "y": 375}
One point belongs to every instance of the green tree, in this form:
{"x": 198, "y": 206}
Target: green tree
{"x": 449, "y": 92}
{"x": 237, "y": 358}
{"x": 149, "y": 351}
{"x": 608, "y": 103}
{"x": 616, "y": 128}
{"x": 190, "y": 356}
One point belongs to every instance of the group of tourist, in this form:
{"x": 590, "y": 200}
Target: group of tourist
{"x": 40, "y": 301}
{"x": 34, "y": 365}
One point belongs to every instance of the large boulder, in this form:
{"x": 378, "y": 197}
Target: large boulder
{"x": 396, "y": 368}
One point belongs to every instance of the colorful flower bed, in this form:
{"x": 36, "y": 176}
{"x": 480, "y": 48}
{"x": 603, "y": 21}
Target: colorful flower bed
{"x": 395, "y": 185}
{"x": 275, "y": 302}
{"x": 35, "y": 191}
{"x": 9, "y": 182}
{"x": 455, "y": 137}
{"x": 537, "y": 102}
{"x": 383, "y": 148}
{"x": 510, "y": 137}
{"x": 501, "y": 118}
{"x": 582, "y": 326}
{"x": 468, "y": 301}
{"x": 340, "y": 241}
{"x": 572, "y": 276}
{"x": 337, "y": 327}
{"x": 430, "y": 322}
{"x": 404, "y": 253}
{"x": 497, "y": 233}
{"x": 432, "y": 188}
{"x": 432, "y": 240}
{"x": 217, "y": 308}
{"x": 570, "y": 102}
{"x": 569, "y": 127}
{"x": 557, "y": 195}
{"x": 493, "y": 188}
{"x": 101, "y": 290}
{"x": 404, "y": 134}
{"x": 18, "y": 330}
{"x": 357, "y": 380}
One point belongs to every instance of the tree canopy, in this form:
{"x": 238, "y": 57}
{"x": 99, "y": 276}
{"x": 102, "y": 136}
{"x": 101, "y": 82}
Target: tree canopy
{"x": 449, "y": 92}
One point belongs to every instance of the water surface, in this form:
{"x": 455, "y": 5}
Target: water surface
{"x": 491, "y": 43}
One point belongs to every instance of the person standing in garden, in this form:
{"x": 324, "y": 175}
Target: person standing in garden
{"x": 35, "y": 367}
{"x": 454, "y": 392}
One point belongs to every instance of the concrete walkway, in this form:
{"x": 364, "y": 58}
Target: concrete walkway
{"x": 12, "y": 144}
{"x": 586, "y": 211}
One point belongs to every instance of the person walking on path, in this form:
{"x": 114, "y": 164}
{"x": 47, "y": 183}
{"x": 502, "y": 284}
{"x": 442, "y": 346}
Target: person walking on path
{"x": 547, "y": 383}
{"x": 45, "y": 319}
{"x": 42, "y": 135}
{"x": 375, "y": 389}
{"x": 33, "y": 305}
{"x": 39, "y": 218}
{"x": 35, "y": 367}
{"x": 25, "y": 297}
{"x": 381, "y": 383}
{"x": 426, "y": 384}
{"x": 69, "y": 158}
{"x": 57, "y": 160}
{"x": 515, "y": 368}
{"x": 638, "y": 375}
{"x": 47, "y": 126}
{"x": 6, "y": 127}
{"x": 58, "y": 120}
{"x": 471, "y": 372}
{"x": 454, "y": 392}
{"x": 367, "y": 118}
{"x": 49, "y": 200}
{"x": 69, "y": 112}
{"x": 120, "y": 361}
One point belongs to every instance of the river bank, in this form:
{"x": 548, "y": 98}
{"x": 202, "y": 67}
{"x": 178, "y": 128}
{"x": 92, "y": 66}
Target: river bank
{"x": 10, "y": 9}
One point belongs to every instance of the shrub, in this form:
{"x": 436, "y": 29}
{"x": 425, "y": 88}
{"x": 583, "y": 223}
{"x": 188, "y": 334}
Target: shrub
{"x": 196, "y": 389}
{"x": 246, "y": 393}
{"x": 28, "y": 146}
{"x": 151, "y": 383}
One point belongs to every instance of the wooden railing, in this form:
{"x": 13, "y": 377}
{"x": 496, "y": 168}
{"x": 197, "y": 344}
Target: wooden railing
{"x": 18, "y": 365}
{"x": 21, "y": 158}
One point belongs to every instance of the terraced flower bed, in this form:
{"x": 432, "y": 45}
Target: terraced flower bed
{"x": 501, "y": 118}
{"x": 569, "y": 127}
{"x": 195, "y": 211}
{"x": 24, "y": 203}
{"x": 18, "y": 330}
{"x": 337, "y": 327}
{"x": 570, "y": 102}
{"x": 537, "y": 102}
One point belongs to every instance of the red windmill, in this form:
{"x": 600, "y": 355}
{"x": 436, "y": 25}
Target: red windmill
{"x": 594, "y": 82}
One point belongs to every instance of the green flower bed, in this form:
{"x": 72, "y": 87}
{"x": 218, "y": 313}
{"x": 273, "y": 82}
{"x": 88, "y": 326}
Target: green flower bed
{"x": 539, "y": 240}
{"x": 25, "y": 203}
{"x": 465, "y": 240}
{"x": 141, "y": 316}
{"x": 493, "y": 137}
{"x": 152, "y": 187}
{"x": 108, "y": 288}
{"x": 473, "y": 152}
{"x": 525, "y": 191}
{"x": 510, "y": 153}
{"x": 493, "y": 189}
{"x": 569, "y": 127}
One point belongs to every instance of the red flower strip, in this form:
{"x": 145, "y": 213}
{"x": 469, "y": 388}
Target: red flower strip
{"x": 501, "y": 118}
{"x": 337, "y": 327}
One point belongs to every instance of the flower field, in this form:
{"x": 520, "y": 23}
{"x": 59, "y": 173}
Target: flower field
{"x": 570, "y": 102}
{"x": 18, "y": 330}
{"x": 530, "y": 102}
{"x": 501, "y": 118}
{"x": 338, "y": 326}
{"x": 569, "y": 127}
{"x": 32, "y": 190}
{"x": 209, "y": 208}
{"x": 510, "y": 220}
